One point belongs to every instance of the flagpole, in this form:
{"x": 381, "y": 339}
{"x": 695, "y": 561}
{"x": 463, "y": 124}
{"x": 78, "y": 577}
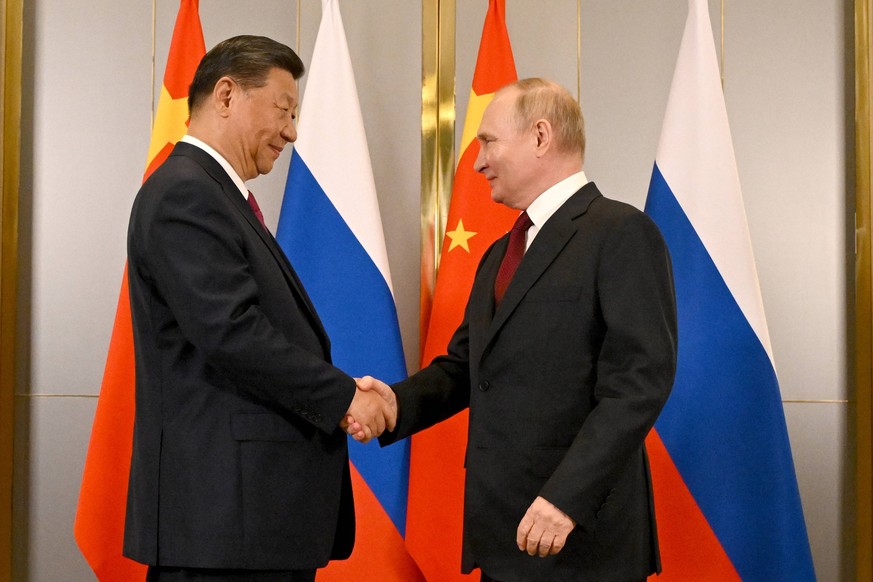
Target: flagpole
{"x": 721, "y": 64}
{"x": 297, "y": 33}
{"x": 579, "y": 51}
{"x": 152, "y": 86}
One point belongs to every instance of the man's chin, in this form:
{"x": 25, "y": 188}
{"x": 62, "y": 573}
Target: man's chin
{"x": 265, "y": 168}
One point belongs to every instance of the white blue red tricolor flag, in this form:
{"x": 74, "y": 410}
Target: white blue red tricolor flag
{"x": 331, "y": 230}
{"x": 726, "y": 494}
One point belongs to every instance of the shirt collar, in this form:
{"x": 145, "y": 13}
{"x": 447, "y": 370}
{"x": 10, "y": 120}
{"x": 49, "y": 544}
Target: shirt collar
{"x": 220, "y": 159}
{"x": 545, "y": 205}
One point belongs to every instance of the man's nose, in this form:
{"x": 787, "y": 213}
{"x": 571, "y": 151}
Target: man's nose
{"x": 479, "y": 162}
{"x": 289, "y": 133}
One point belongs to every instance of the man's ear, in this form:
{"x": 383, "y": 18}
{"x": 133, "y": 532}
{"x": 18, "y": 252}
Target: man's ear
{"x": 223, "y": 93}
{"x": 543, "y": 134}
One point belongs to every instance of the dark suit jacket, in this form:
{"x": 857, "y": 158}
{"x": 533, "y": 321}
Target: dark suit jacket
{"x": 563, "y": 381}
{"x": 238, "y": 461}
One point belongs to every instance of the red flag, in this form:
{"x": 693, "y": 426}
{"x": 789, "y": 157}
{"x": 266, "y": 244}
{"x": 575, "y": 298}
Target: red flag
{"x": 436, "y": 475}
{"x": 99, "y": 527}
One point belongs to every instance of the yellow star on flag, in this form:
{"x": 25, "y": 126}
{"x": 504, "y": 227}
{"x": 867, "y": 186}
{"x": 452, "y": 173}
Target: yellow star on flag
{"x": 460, "y": 237}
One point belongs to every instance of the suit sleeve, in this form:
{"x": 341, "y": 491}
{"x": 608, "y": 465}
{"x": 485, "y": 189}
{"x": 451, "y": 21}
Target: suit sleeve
{"x": 440, "y": 390}
{"x": 435, "y": 393}
{"x": 198, "y": 261}
{"x": 635, "y": 367}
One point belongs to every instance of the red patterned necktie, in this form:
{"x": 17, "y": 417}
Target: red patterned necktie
{"x": 512, "y": 258}
{"x": 256, "y": 209}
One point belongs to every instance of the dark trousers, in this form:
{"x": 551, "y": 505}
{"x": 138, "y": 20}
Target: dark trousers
{"x": 167, "y": 574}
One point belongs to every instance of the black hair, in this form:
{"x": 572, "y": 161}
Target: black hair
{"x": 247, "y": 60}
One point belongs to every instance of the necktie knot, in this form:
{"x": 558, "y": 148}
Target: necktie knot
{"x": 256, "y": 209}
{"x": 522, "y": 223}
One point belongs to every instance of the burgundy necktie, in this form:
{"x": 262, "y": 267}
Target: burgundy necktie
{"x": 512, "y": 258}
{"x": 256, "y": 209}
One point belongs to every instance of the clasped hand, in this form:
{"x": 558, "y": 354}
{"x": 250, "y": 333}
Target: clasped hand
{"x": 373, "y": 409}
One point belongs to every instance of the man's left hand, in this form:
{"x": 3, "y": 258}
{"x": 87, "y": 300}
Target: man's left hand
{"x": 544, "y": 529}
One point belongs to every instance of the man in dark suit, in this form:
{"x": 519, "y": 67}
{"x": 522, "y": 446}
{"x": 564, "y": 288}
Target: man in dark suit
{"x": 240, "y": 467}
{"x": 564, "y": 365}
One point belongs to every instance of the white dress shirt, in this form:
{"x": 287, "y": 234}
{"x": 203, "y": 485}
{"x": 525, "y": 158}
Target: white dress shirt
{"x": 545, "y": 205}
{"x": 220, "y": 159}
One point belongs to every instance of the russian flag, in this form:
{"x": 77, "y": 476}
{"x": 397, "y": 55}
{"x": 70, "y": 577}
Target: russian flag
{"x": 726, "y": 495}
{"x": 331, "y": 230}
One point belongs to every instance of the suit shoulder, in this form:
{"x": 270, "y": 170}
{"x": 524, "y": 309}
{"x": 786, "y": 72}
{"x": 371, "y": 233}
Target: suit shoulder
{"x": 179, "y": 177}
{"x": 605, "y": 205}
{"x": 619, "y": 218}
{"x": 177, "y": 169}
{"x": 609, "y": 208}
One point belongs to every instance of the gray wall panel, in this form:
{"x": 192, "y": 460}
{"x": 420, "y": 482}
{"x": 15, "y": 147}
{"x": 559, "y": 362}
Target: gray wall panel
{"x": 820, "y": 448}
{"x": 52, "y": 438}
{"x": 89, "y": 132}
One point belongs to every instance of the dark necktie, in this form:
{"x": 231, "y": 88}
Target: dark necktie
{"x": 512, "y": 258}
{"x": 256, "y": 209}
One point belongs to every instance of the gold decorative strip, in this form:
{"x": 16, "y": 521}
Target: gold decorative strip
{"x": 437, "y": 136}
{"x": 10, "y": 118}
{"x": 863, "y": 294}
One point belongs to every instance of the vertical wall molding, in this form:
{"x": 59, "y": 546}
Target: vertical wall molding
{"x": 863, "y": 292}
{"x": 10, "y": 153}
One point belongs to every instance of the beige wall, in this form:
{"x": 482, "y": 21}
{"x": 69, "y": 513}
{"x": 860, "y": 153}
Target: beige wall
{"x": 86, "y": 123}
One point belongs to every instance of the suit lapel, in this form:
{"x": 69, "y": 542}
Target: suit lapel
{"x": 214, "y": 169}
{"x": 552, "y": 238}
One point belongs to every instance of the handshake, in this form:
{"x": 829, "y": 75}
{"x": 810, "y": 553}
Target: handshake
{"x": 373, "y": 409}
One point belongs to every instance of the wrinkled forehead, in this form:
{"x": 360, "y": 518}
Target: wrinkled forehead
{"x": 500, "y": 112}
{"x": 504, "y": 99}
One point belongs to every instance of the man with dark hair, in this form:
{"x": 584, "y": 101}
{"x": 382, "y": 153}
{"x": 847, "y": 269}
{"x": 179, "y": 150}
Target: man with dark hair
{"x": 565, "y": 357}
{"x": 240, "y": 467}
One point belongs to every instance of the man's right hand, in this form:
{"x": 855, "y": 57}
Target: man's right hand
{"x": 373, "y": 409}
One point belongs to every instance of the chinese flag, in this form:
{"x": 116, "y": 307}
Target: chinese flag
{"x": 99, "y": 526}
{"x": 436, "y": 475}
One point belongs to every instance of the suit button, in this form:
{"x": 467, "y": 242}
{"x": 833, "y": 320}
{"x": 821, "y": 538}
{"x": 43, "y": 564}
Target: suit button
{"x": 484, "y": 385}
